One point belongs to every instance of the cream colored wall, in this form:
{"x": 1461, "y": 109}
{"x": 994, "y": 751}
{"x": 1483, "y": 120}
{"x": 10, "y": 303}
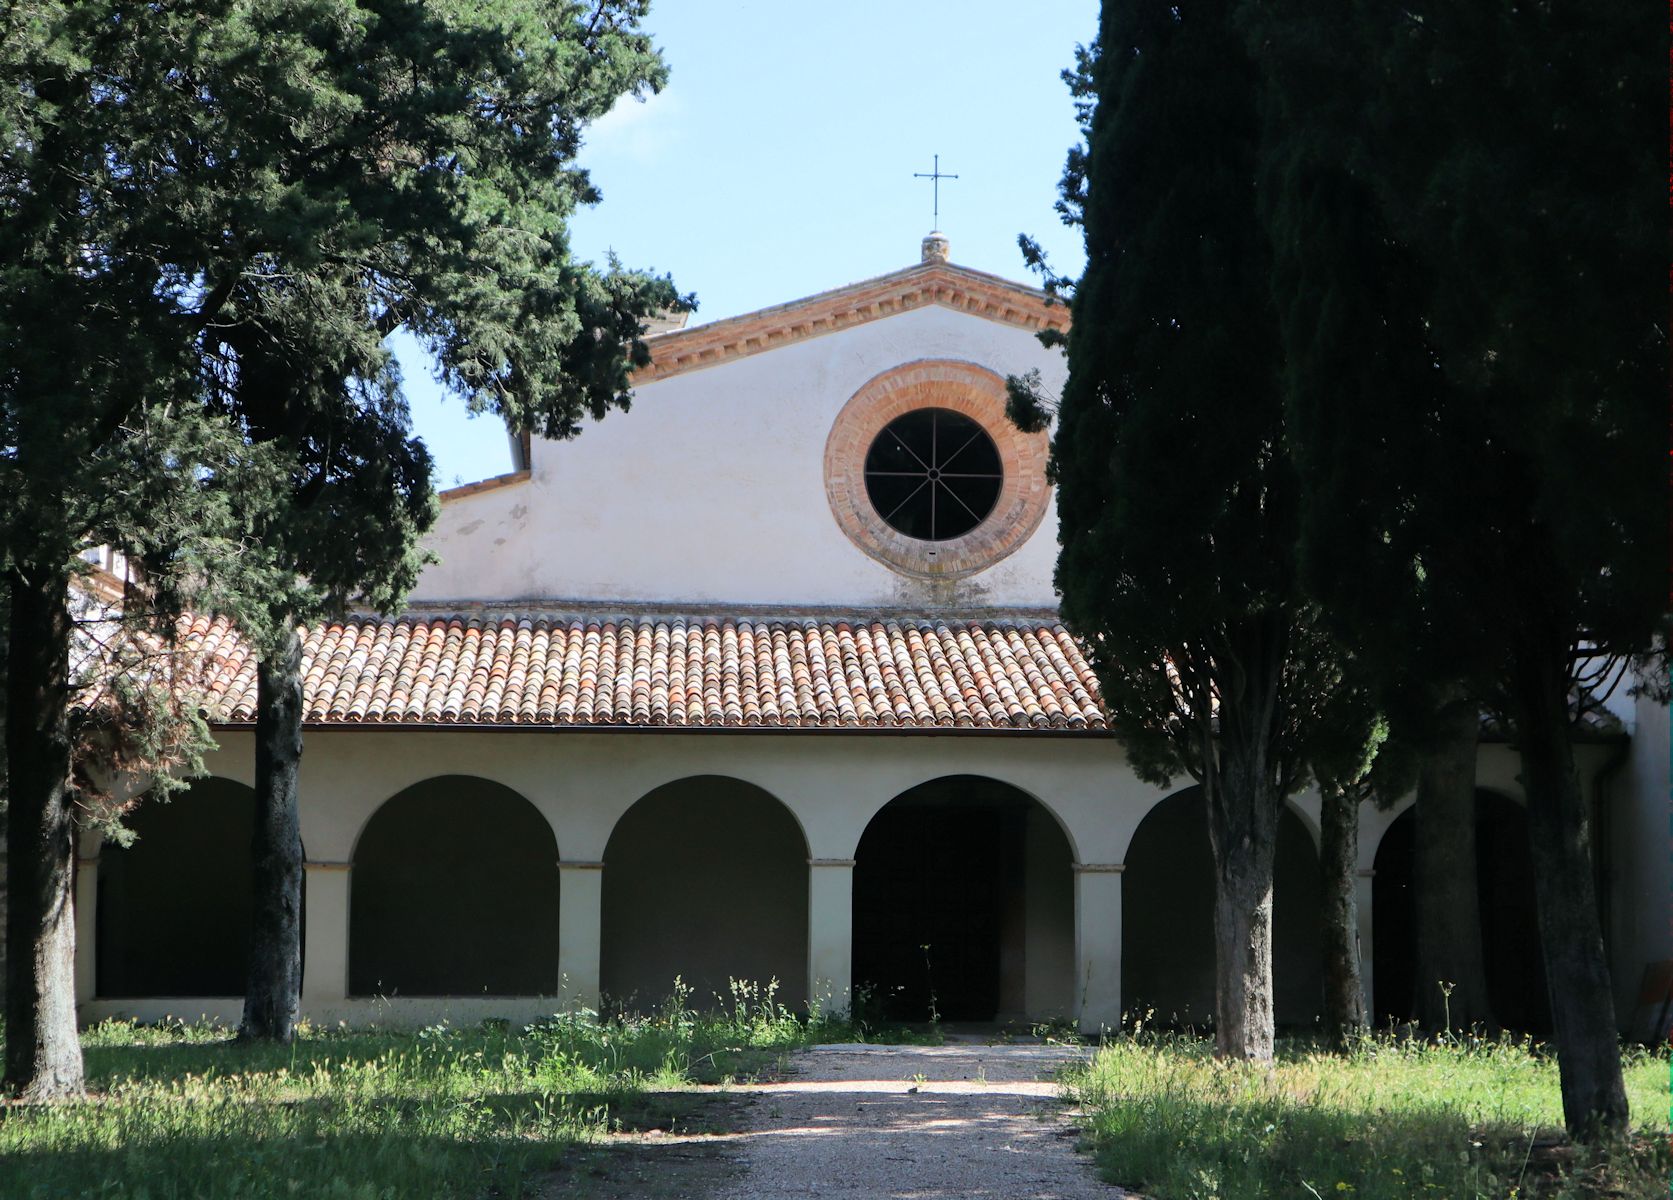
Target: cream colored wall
{"x": 1050, "y": 920}
{"x": 831, "y": 784}
{"x": 1641, "y": 847}
{"x": 714, "y": 481}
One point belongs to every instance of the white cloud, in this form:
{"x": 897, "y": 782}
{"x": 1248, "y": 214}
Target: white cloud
{"x": 637, "y": 130}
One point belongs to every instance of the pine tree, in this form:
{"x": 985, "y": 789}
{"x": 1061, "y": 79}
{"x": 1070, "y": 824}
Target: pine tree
{"x": 156, "y": 165}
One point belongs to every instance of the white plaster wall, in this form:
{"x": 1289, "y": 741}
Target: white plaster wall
{"x": 832, "y": 784}
{"x": 1641, "y": 807}
{"x": 711, "y": 488}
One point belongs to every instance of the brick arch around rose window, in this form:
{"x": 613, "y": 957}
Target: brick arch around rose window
{"x": 969, "y": 391}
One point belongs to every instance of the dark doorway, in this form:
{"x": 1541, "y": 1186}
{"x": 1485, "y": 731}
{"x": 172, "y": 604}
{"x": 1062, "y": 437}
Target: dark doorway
{"x": 1167, "y": 925}
{"x": 454, "y": 892}
{"x": 174, "y": 907}
{"x": 1511, "y": 953}
{"x": 963, "y": 905}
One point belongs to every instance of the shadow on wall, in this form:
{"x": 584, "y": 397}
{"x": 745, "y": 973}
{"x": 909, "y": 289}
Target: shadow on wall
{"x": 1509, "y": 930}
{"x": 1167, "y": 919}
{"x": 174, "y": 908}
{"x": 706, "y": 879}
{"x": 454, "y": 892}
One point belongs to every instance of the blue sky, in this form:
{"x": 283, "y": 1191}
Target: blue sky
{"x": 779, "y": 160}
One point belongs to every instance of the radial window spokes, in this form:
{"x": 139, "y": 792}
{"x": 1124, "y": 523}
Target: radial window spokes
{"x": 933, "y": 474}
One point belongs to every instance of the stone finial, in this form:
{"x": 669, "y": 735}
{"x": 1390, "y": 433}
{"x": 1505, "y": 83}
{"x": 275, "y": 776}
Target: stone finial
{"x": 936, "y": 247}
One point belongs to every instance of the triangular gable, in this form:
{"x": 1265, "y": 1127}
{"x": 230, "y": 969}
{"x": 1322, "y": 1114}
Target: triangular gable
{"x": 918, "y": 286}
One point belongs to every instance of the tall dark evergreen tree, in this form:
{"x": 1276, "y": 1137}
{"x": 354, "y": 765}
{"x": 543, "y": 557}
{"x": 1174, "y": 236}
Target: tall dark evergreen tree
{"x": 1176, "y": 493}
{"x": 470, "y": 123}
{"x": 1351, "y": 315}
{"x": 156, "y": 160}
{"x": 1505, "y": 506}
{"x": 358, "y": 496}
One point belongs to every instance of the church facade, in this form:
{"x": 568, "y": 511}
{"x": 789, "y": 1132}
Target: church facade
{"x": 762, "y": 682}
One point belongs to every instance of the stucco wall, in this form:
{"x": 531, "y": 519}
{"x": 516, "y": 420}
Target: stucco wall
{"x": 715, "y": 480}
{"x": 830, "y": 785}
{"x": 1641, "y": 845}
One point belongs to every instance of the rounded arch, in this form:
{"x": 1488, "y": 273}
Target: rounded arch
{"x": 454, "y": 892}
{"x": 705, "y": 878}
{"x": 1167, "y": 916}
{"x": 1511, "y": 955}
{"x": 980, "y": 872}
{"x": 173, "y": 908}
{"x": 930, "y": 780}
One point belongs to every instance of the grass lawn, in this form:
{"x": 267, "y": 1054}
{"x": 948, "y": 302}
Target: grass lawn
{"x": 486, "y": 1111}
{"x": 1399, "y": 1118}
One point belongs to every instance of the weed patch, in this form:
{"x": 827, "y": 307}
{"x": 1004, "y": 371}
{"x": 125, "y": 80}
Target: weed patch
{"x": 1399, "y": 1118}
{"x": 183, "y": 1110}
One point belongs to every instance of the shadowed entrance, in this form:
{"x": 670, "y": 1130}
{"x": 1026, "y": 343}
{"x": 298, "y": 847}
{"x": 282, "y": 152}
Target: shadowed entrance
{"x": 1167, "y": 925}
{"x": 454, "y": 892}
{"x": 706, "y": 879}
{"x": 174, "y": 908}
{"x": 1511, "y": 953}
{"x": 963, "y": 899}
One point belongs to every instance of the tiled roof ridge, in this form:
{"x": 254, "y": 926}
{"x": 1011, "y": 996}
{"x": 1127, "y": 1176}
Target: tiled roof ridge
{"x": 518, "y": 667}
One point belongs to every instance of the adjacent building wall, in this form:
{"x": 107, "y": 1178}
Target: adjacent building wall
{"x": 1641, "y": 848}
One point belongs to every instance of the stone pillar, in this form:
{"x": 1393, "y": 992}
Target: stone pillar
{"x": 87, "y": 924}
{"x": 580, "y": 932}
{"x": 1098, "y": 946}
{"x": 830, "y": 933}
{"x": 325, "y": 957}
{"x": 1363, "y": 899}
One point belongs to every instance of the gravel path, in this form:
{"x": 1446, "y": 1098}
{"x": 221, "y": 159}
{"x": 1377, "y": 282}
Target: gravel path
{"x": 914, "y": 1122}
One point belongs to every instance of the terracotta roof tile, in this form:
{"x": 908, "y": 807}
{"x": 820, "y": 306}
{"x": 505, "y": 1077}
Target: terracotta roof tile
{"x": 539, "y": 669}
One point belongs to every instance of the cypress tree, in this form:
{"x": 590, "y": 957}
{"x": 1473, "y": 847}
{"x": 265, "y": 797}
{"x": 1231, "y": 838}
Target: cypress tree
{"x": 1503, "y": 508}
{"x": 1351, "y": 319}
{"x": 1176, "y": 493}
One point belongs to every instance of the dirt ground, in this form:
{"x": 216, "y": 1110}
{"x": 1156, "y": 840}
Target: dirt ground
{"x": 914, "y": 1122}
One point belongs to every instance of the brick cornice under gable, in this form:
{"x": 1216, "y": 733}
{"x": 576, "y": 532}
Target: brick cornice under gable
{"x": 958, "y": 288}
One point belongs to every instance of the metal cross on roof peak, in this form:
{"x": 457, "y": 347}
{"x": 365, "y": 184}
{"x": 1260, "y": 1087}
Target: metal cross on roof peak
{"x": 937, "y": 175}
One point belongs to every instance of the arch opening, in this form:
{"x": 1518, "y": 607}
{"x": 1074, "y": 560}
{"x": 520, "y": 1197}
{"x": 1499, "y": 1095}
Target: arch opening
{"x": 173, "y": 909}
{"x": 1512, "y": 958}
{"x": 454, "y": 892}
{"x": 964, "y": 903}
{"x": 705, "y": 878}
{"x": 1167, "y": 927}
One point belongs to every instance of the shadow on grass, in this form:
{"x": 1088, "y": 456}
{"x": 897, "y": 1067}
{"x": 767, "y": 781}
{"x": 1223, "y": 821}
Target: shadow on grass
{"x": 1172, "y": 1147}
{"x": 349, "y": 1166}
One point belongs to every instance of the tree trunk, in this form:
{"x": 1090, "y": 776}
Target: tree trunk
{"x": 1451, "y": 976}
{"x": 273, "y": 978}
{"x": 1345, "y": 1019}
{"x": 1243, "y": 833}
{"x": 43, "y": 1053}
{"x": 1576, "y": 971}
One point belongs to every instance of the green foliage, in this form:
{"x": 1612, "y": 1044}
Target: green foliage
{"x": 1177, "y": 495}
{"x": 1395, "y": 1118}
{"x": 440, "y": 1111}
{"x": 1478, "y": 257}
